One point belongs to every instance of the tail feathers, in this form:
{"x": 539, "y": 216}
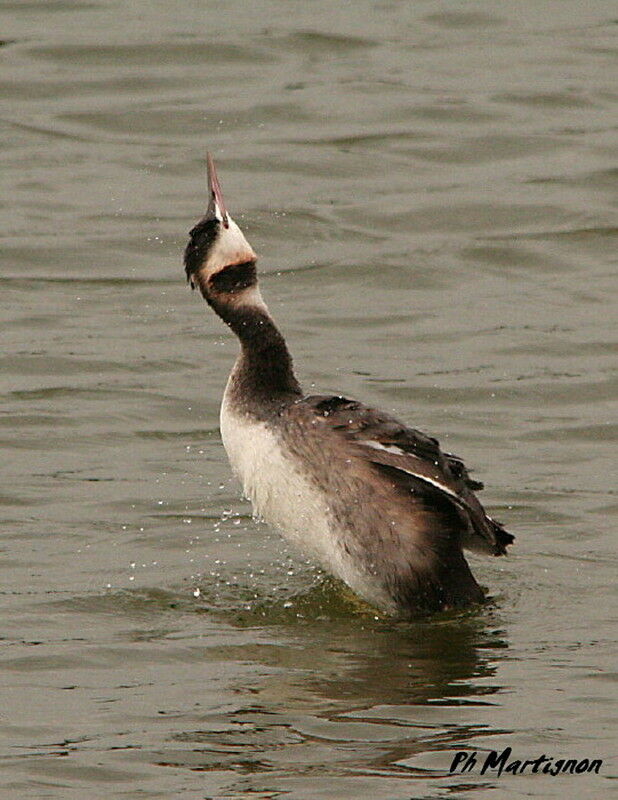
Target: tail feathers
{"x": 503, "y": 537}
{"x": 459, "y": 470}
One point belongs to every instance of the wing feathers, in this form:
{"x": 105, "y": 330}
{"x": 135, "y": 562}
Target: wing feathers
{"x": 383, "y": 440}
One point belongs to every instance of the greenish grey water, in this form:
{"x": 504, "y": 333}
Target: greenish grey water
{"x": 432, "y": 191}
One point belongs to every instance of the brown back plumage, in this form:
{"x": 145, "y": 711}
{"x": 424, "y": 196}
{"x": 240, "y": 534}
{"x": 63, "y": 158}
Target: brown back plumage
{"x": 406, "y": 514}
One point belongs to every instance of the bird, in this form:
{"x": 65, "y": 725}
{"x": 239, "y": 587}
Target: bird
{"x": 376, "y": 503}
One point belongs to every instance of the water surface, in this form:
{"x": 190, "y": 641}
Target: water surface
{"x": 432, "y": 191}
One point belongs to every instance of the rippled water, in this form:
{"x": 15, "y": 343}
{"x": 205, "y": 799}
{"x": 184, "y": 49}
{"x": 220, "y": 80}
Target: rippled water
{"x": 432, "y": 189}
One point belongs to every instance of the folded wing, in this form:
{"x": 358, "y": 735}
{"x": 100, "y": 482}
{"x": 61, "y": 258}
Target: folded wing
{"x": 413, "y": 459}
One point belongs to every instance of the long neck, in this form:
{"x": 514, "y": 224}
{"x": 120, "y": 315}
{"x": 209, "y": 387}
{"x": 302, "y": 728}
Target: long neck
{"x": 263, "y": 377}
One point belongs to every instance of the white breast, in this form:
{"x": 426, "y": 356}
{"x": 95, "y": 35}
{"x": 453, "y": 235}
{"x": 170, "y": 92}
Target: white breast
{"x": 284, "y": 498}
{"x": 272, "y": 482}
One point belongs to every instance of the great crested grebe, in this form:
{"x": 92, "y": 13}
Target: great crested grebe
{"x": 377, "y": 503}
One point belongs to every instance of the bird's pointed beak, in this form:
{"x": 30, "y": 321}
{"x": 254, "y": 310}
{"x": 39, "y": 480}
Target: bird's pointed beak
{"x": 215, "y": 201}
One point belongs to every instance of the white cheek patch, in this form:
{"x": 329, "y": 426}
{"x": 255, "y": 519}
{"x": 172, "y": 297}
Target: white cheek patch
{"x": 230, "y": 247}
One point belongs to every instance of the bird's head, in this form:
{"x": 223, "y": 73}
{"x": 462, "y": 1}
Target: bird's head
{"x": 218, "y": 259}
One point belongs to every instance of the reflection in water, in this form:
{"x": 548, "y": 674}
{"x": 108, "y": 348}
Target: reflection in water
{"x": 325, "y": 681}
{"x": 424, "y": 662}
{"x": 344, "y": 690}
